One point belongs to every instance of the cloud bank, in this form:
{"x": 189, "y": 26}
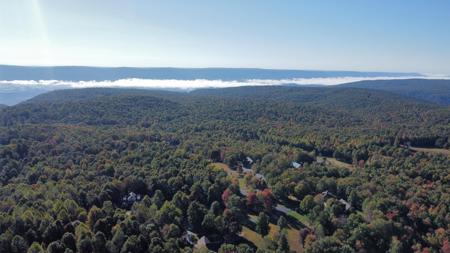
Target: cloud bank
{"x": 196, "y": 83}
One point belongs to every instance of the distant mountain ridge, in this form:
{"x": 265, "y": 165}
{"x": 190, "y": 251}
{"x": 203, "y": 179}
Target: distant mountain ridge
{"x": 75, "y": 73}
{"x": 436, "y": 91}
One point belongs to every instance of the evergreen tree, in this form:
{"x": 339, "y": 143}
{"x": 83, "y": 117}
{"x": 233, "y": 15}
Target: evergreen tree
{"x": 85, "y": 245}
{"x": 18, "y": 245}
{"x": 396, "y": 245}
{"x": 195, "y": 213}
{"x": 100, "y": 242}
{"x": 55, "y": 247}
{"x": 158, "y": 198}
{"x": 262, "y": 224}
{"x": 282, "y": 223}
{"x": 283, "y": 246}
{"x": 69, "y": 241}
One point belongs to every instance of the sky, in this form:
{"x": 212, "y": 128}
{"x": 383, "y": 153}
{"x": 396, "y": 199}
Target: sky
{"x": 369, "y": 35}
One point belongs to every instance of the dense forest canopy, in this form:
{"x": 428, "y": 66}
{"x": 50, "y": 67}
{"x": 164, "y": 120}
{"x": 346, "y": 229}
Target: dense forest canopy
{"x": 249, "y": 169}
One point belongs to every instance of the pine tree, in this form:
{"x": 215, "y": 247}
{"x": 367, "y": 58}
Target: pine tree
{"x": 282, "y": 223}
{"x": 262, "y": 224}
{"x": 283, "y": 245}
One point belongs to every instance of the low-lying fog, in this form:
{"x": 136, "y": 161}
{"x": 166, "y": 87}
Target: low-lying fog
{"x": 16, "y": 91}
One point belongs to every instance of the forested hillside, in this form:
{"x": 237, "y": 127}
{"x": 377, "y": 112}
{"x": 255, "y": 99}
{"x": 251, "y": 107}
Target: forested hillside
{"x": 436, "y": 91}
{"x": 250, "y": 169}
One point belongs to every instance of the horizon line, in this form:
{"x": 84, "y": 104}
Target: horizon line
{"x": 213, "y": 67}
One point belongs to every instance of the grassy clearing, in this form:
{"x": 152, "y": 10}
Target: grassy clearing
{"x": 242, "y": 183}
{"x": 254, "y": 237}
{"x": 223, "y": 166}
{"x": 301, "y": 218}
{"x": 339, "y": 164}
{"x": 293, "y": 237}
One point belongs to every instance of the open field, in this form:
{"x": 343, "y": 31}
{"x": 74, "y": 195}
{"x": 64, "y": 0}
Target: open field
{"x": 224, "y": 167}
{"x": 293, "y": 236}
{"x": 254, "y": 237}
{"x": 333, "y": 162}
{"x": 301, "y": 218}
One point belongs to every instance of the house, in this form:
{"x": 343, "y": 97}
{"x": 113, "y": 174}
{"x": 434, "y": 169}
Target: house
{"x": 347, "y": 205}
{"x": 327, "y": 194}
{"x": 130, "y": 199}
{"x": 260, "y": 177}
{"x": 296, "y": 165}
{"x": 246, "y": 170}
{"x": 247, "y": 162}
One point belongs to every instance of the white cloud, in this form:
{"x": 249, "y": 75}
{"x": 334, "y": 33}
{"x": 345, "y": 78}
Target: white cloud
{"x": 195, "y": 84}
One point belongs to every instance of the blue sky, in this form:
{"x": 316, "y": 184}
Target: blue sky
{"x": 371, "y": 35}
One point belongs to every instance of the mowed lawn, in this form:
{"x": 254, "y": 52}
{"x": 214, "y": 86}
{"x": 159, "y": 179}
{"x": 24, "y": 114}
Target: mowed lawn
{"x": 293, "y": 236}
{"x": 301, "y": 218}
{"x": 338, "y": 164}
{"x": 224, "y": 167}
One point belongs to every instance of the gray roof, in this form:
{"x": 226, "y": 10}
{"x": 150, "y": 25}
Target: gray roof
{"x": 260, "y": 176}
{"x": 347, "y": 205}
{"x": 245, "y": 170}
{"x": 296, "y": 165}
